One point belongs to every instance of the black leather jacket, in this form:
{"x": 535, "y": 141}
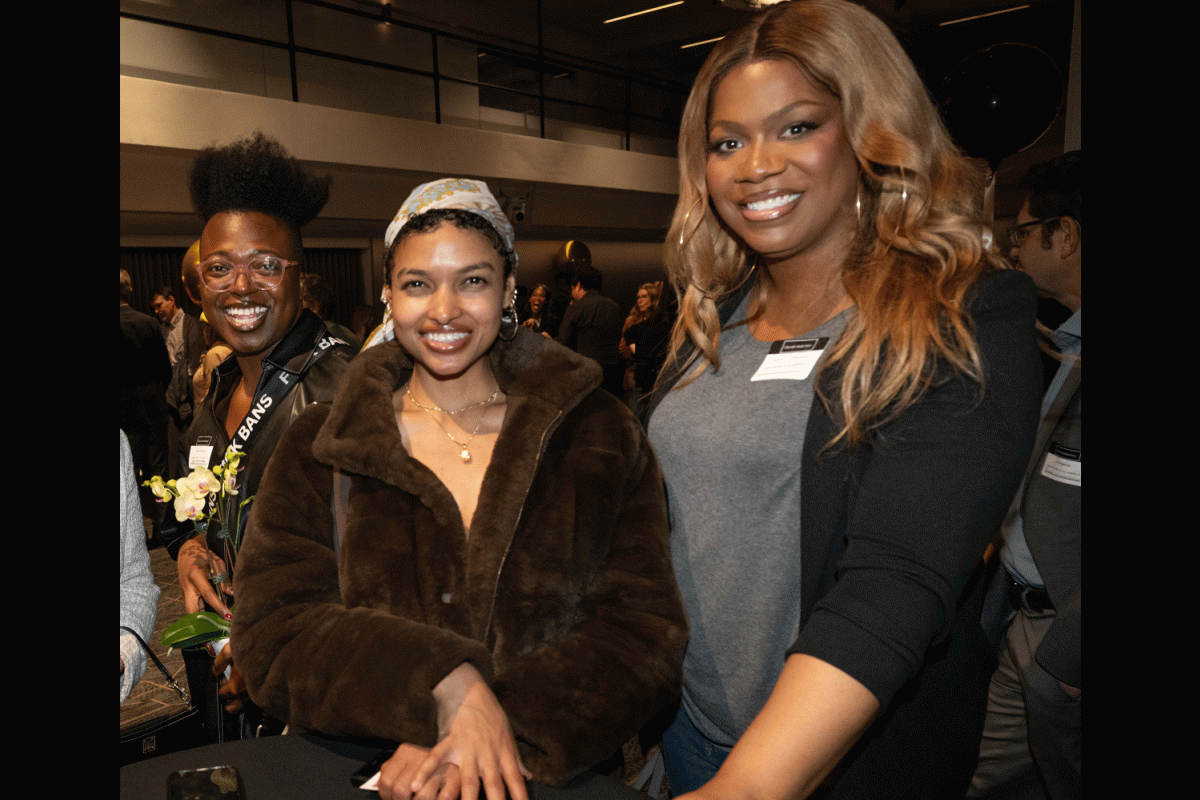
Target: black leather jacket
{"x": 208, "y": 428}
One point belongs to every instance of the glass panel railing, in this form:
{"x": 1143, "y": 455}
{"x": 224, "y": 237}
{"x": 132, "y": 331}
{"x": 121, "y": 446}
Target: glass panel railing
{"x": 369, "y": 39}
{"x": 356, "y": 87}
{"x": 189, "y": 58}
{"x": 350, "y": 60}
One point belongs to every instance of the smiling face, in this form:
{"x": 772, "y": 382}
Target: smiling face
{"x": 447, "y": 291}
{"x": 249, "y": 319}
{"x": 536, "y": 300}
{"x": 780, "y": 171}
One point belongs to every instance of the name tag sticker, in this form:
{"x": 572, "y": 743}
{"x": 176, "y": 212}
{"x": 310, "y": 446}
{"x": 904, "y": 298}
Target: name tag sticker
{"x": 199, "y": 455}
{"x": 1064, "y": 464}
{"x": 791, "y": 359}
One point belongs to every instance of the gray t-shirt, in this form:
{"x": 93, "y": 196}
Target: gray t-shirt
{"x": 730, "y": 449}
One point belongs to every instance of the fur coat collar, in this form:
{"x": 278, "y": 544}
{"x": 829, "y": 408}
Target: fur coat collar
{"x": 543, "y": 382}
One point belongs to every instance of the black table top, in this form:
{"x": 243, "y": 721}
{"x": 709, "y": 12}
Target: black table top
{"x": 301, "y": 767}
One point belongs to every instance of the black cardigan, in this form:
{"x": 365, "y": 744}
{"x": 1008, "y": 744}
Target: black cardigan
{"x": 892, "y": 535}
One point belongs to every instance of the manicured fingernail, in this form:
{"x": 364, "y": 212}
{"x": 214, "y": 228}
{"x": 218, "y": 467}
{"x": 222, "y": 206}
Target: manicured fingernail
{"x": 229, "y": 616}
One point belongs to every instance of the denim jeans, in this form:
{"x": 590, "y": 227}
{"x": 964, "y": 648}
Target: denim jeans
{"x": 690, "y": 758}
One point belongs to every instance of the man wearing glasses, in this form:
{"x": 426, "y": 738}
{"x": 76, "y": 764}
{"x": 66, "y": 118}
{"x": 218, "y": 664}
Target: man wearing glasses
{"x": 254, "y": 199}
{"x": 1031, "y": 740}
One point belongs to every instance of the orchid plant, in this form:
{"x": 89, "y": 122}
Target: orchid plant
{"x": 210, "y": 499}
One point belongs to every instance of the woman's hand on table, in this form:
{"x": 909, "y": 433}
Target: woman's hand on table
{"x": 396, "y": 777}
{"x": 476, "y": 737}
{"x": 197, "y": 564}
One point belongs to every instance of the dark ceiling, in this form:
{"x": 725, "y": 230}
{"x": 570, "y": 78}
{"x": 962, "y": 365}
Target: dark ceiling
{"x": 650, "y": 46}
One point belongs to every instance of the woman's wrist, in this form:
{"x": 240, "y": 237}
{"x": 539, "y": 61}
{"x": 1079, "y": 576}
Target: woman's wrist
{"x": 450, "y": 692}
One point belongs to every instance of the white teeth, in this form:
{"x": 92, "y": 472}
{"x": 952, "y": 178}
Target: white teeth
{"x": 772, "y": 202}
{"x": 245, "y": 311}
{"x": 446, "y": 338}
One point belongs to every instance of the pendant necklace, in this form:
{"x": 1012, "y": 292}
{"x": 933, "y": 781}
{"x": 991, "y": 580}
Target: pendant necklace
{"x": 465, "y": 454}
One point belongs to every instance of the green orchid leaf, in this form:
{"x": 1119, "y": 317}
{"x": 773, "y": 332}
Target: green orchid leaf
{"x": 195, "y": 629}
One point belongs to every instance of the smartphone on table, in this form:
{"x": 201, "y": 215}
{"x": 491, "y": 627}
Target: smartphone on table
{"x": 205, "y": 783}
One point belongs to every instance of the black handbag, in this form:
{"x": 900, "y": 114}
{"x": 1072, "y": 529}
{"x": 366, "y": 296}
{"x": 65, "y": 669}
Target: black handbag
{"x": 179, "y": 730}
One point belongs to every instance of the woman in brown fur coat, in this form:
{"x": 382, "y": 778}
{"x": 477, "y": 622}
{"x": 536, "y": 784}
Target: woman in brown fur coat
{"x": 487, "y": 579}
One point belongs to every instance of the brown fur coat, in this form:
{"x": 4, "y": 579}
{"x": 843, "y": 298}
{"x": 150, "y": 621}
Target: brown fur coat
{"x": 564, "y": 598}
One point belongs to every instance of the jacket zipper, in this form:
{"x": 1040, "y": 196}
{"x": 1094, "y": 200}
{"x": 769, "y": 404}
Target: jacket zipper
{"x": 504, "y": 559}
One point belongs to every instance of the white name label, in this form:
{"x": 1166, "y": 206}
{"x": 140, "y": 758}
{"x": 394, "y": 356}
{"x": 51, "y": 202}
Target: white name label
{"x": 199, "y": 455}
{"x": 1064, "y": 465}
{"x": 791, "y": 359}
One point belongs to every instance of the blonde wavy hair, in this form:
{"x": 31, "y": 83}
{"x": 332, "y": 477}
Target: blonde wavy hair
{"x": 919, "y": 246}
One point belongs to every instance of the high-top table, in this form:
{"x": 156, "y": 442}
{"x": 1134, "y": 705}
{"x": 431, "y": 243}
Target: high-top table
{"x": 302, "y": 767}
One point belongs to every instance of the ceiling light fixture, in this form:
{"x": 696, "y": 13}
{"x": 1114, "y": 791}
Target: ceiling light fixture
{"x": 981, "y": 16}
{"x": 697, "y": 44}
{"x": 646, "y": 11}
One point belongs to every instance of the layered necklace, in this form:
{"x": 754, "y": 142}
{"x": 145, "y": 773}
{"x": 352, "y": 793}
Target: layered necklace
{"x": 465, "y": 453}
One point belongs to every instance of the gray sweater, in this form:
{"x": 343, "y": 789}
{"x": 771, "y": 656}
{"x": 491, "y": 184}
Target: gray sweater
{"x": 139, "y": 594}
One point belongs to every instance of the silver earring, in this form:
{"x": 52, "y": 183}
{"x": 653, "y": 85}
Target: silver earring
{"x": 508, "y": 319}
{"x": 508, "y": 323}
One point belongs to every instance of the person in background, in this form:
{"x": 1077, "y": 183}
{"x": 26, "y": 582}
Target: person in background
{"x": 495, "y": 592}
{"x": 1032, "y": 743}
{"x": 591, "y": 327}
{"x": 181, "y": 331}
{"x": 139, "y": 594}
{"x": 540, "y": 319}
{"x": 644, "y": 307}
{"x": 648, "y": 342}
{"x": 185, "y": 346}
{"x": 143, "y": 372}
{"x": 317, "y": 296}
{"x": 849, "y": 402}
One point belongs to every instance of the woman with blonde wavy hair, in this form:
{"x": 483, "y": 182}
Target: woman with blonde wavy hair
{"x": 850, "y": 398}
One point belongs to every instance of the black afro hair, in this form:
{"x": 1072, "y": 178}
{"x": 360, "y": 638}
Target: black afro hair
{"x": 257, "y": 174}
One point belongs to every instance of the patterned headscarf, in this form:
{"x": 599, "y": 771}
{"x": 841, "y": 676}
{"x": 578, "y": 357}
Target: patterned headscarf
{"x": 461, "y": 193}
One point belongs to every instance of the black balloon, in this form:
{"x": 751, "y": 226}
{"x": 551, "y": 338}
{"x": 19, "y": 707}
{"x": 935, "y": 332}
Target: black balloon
{"x": 1001, "y": 100}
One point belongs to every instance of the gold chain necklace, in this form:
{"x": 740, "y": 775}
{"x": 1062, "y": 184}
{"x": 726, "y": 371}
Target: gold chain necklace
{"x": 465, "y": 453}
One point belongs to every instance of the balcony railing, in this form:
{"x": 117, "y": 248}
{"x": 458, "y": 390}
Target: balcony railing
{"x": 342, "y": 56}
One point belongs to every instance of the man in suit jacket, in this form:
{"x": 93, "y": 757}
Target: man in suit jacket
{"x": 1031, "y": 743}
{"x": 143, "y": 371}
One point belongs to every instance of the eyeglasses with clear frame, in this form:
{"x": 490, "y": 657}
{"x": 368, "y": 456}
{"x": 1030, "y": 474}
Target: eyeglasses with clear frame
{"x": 1017, "y": 234}
{"x": 264, "y": 271}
